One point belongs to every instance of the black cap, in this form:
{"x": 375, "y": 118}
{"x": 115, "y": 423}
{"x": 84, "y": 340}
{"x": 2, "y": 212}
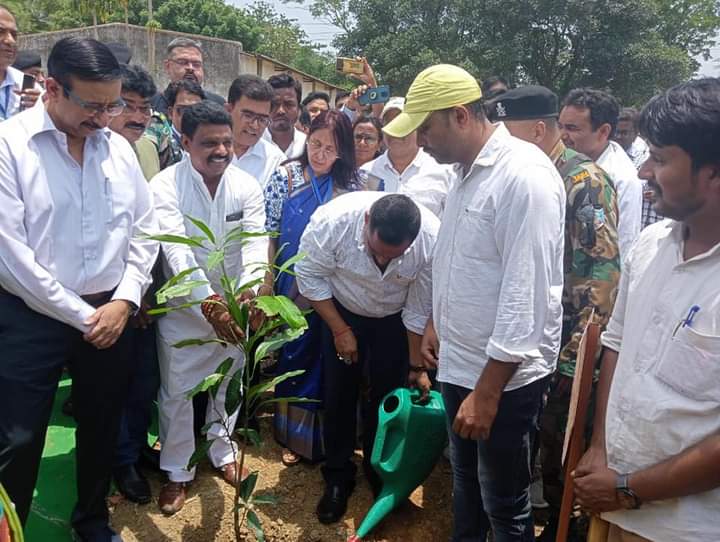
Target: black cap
{"x": 122, "y": 52}
{"x": 524, "y": 103}
{"x": 27, "y": 59}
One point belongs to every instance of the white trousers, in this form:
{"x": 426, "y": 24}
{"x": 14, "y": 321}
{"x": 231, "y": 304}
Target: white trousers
{"x": 181, "y": 369}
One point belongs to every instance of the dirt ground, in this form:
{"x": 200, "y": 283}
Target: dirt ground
{"x": 207, "y": 515}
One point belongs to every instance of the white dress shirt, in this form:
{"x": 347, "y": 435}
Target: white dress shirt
{"x": 338, "y": 264}
{"x": 424, "y": 180}
{"x": 297, "y": 145}
{"x": 665, "y": 394}
{"x": 638, "y": 152}
{"x": 180, "y": 192}
{"x": 67, "y": 230}
{"x": 260, "y": 161}
{"x": 616, "y": 163}
{"x": 498, "y": 265}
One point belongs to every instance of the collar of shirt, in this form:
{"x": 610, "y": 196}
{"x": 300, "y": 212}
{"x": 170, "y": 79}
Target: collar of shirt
{"x": 13, "y": 77}
{"x": 37, "y": 121}
{"x": 491, "y": 151}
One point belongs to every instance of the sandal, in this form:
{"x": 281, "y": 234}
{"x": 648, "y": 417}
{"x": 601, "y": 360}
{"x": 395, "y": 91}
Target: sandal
{"x": 290, "y": 458}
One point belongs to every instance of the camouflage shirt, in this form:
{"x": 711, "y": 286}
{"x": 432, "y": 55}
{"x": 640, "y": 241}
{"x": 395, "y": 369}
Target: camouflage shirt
{"x": 592, "y": 260}
{"x": 160, "y": 132}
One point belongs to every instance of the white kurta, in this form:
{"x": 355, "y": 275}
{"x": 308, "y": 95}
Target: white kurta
{"x": 180, "y": 192}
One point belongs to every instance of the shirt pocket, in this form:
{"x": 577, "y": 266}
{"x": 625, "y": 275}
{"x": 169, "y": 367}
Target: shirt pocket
{"x": 478, "y": 238}
{"x": 691, "y": 365}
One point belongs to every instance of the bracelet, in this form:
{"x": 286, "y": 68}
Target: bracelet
{"x": 418, "y": 369}
{"x": 342, "y": 332}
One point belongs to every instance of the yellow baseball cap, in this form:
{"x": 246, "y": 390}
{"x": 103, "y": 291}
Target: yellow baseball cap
{"x": 435, "y": 88}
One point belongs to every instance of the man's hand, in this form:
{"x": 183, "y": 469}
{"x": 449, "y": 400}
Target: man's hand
{"x": 595, "y": 492}
{"x": 430, "y": 346}
{"x": 475, "y": 417}
{"x": 346, "y": 346}
{"x": 28, "y": 97}
{"x": 107, "y": 323}
{"x": 593, "y": 460}
{"x": 352, "y": 104}
{"x": 368, "y": 75}
{"x": 421, "y": 381}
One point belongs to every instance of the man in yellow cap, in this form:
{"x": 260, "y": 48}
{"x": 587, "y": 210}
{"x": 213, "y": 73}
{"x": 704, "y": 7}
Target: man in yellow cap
{"x": 497, "y": 298}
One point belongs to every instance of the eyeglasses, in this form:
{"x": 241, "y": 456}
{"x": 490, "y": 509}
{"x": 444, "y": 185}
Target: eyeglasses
{"x": 112, "y": 109}
{"x": 185, "y": 63}
{"x": 315, "y": 147}
{"x": 250, "y": 117}
{"x": 145, "y": 110}
{"x": 370, "y": 140}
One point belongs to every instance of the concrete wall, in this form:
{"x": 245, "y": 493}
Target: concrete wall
{"x": 224, "y": 59}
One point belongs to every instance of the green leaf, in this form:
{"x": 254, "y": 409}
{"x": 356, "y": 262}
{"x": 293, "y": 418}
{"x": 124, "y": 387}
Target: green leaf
{"x": 264, "y": 499}
{"x": 254, "y": 523}
{"x": 233, "y": 394}
{"x": 181, "y": 289}
{"x": 261, "y": 388}
{"x": 165, "y": 310}
{"x": 203, "y": 228}
{"x": 211, "y": 382}
{"x": 224, "y": 367}
{"x": 250, "y": 284}
{"x": 290, "y": 262}
{"x": 178, "y": 239}
{"x": 249, "y": 434}
{"x": 198, "y": 342}
{"x": 205, "y": 428}
{"x": 283, "y": 306}
{"x": 247, "y": 486}
{"x": 215, "y": 258}
{"x": 201, "y": 449}
{"x": 277, "y": 341}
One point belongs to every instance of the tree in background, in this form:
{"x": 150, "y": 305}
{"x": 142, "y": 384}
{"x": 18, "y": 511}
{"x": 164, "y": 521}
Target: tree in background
{"x": 633, "y": 48}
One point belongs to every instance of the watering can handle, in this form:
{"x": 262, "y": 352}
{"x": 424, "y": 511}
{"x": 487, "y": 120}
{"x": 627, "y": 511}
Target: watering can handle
{"x": 416, "y": 397}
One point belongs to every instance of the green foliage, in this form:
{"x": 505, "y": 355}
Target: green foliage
{"x": 633, "y": 48}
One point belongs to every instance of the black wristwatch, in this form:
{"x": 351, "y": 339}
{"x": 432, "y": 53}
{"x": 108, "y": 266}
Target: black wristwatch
{"x": 627, "y": 497}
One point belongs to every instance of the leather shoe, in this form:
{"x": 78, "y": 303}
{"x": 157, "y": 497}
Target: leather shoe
{"x": 229, "y": 473}
{"x": 132, "y": 484}
{"x": 333, "y": 504}
{"x": 172, "y": 497}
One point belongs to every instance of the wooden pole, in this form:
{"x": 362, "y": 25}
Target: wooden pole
{"x": 579, "y": 403}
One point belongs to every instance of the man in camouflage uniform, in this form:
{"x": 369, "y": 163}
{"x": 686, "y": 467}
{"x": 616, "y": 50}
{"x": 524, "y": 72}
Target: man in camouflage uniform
{"x": 592, "y": 261}
{"x": 164, "y": 130}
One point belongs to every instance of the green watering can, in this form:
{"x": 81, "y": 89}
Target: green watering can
{"x": 409, "y": 440}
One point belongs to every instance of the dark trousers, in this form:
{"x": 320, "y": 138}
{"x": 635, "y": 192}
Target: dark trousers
{"x": 144, "y": 384}
{"x": 34, "y": 349}
{"x": 383, "y": 359}
{"x": 491, "y": 478}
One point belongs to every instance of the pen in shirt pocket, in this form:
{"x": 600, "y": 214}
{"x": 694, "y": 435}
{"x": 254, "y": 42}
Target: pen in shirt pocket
{"x": 687, "y": 321}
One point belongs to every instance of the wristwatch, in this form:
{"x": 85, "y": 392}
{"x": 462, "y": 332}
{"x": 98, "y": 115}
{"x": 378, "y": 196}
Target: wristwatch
{"x": 626, "y": 496}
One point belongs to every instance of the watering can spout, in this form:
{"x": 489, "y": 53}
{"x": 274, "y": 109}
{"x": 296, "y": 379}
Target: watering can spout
{"x": 382, "y": 507}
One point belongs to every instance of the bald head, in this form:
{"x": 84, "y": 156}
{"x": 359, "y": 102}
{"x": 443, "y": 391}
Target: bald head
{"x": 541, "y": 132}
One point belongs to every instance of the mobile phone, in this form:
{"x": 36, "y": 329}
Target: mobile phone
{"x": 375, "y": 95}
{"x": 349, "y": 65}
{"x": 28, "y": 82}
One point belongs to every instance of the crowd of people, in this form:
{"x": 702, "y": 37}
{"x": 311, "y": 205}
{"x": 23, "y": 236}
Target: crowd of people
{"x": 460, "y": 237}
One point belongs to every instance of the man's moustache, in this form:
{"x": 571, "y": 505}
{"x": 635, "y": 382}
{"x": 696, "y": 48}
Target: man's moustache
{"x": 135, "y": 126}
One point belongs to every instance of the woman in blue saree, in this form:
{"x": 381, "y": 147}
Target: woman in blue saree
{"x": 324, "y": 171}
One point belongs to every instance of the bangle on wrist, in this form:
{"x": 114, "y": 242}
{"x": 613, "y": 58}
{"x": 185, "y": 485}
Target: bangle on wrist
{"x": 418, "y": 369}
{"x": 341, "y": 332}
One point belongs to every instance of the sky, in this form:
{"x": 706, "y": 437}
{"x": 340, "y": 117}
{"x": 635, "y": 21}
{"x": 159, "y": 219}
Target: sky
{"x": 318, "y": 31}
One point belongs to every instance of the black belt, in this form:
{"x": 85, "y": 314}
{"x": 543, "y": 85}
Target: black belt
{"x": 93, "y": 299}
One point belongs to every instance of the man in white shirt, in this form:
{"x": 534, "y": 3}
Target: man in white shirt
{"x": 406, "y": 169}
{"x": 652, "y": 466}
{"x": 367, "y": 273}
{"x": 627, "y": 134}
{"x": 249, "y": 104}
{"x": 205, "y": 186}
{"x": 13, "y": 98}
{"x": 588, "y": 120}
{"x": 497, "y": 289}
{"x": 285, "y": 111}
{"x": 73, "y": 267}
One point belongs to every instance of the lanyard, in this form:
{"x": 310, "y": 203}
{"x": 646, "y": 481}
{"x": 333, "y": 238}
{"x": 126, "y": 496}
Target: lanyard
{"x": 4, "y": 108}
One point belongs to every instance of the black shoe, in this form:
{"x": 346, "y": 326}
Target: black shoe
{"x": 333, "y": 504}
{"x": 103, "y": 534}
{"x": 132, "y": 484}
